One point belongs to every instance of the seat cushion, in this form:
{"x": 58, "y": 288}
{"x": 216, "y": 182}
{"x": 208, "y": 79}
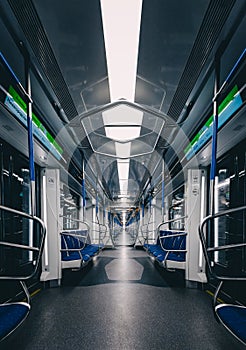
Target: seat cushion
{"x": 234, "y": 319}
{"x": 11, "y": 316}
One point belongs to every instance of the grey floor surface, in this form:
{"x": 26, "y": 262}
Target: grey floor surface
{"x": 122, "y": 301}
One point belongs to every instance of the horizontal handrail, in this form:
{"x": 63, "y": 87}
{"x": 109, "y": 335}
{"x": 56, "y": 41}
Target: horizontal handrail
{"x": 15, "y": 245}
{"x": 67, "y": 233}
{"x": 100, "y": 230}
{"x": 76, "y": 220}
{"x": 182, "y": 233}
{"x": 73, "y": 219}
{"x": 99, "y": 224}
{"x": 23, "y": 246}
{"x": 225, "y": 247}
{"x": 221, "y": 248}
{"x": 171, "y": 236}
{"x": 149, "y": 223}
{"x": 159, "y": 226}
{"x": 168, "y": 221}
{"x": 173, "y": 220}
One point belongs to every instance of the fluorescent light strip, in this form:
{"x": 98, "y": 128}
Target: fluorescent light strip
{"x": 123, "y": 173}
{"x": 121, "y": 26}
{"x": 123, "y": 169}
{"x": 123, "y": 115}
{"x": 122, "y": 133}
{"x": 123, "y": 150}
{"x": 202, "y": 214}
{"x": 46, "y": 251}
{"x": 123, "y": 188}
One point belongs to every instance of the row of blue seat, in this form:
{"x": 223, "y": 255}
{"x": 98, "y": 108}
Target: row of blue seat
{"x": 76, "y": 252}
{"x": 169, "y": 249}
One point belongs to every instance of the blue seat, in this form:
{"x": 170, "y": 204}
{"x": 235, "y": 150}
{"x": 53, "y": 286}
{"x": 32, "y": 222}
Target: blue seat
{"x": 11, "y": 316}
{"x": 233, "y": 317}
{"x": 169, "y": 247}
{"x": 75, "y": 252}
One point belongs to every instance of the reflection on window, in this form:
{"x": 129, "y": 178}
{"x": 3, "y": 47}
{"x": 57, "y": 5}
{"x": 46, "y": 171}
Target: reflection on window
{"x": 222, "y": 201}
{"x": 177, "y": 211}
{"x": 70, "y": 208}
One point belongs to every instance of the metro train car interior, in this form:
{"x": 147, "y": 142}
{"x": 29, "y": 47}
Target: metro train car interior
{"x": 122, "y": 174}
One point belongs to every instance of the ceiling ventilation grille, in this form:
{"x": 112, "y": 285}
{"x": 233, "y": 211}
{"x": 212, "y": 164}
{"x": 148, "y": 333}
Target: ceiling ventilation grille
{"x": 213, "y": 22}
{"x": 29, "y": 21}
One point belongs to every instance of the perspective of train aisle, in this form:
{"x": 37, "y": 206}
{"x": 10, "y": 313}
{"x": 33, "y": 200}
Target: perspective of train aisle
{"x": 122, "y": 174}
{"x": 122, "y": 301}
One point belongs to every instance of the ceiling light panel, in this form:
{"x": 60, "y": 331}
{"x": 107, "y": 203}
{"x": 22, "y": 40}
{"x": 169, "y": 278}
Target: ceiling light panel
{"x": 123, "y": 150}
{"x": 122, "y": 114}
{"x": 122, "y": 133}
{"x": 121, "y": 26}
{"x": 123, "y": 169}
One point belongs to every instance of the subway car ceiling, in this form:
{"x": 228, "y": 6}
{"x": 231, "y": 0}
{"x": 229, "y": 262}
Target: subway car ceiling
{"x": 121, "y": 140}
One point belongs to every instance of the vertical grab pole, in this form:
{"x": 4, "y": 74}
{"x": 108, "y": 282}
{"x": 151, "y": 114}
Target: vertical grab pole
{"x": 83, "y": 187}
{"x": 143, "y": 208}
{"x": 30, "y": 134}
{"x": 163, "y": 190}
{"x": 214, "y": 137}
{"x": 97, "y": 207}
{"x": 104, "y": 213}
{"x": 97, "y": 212}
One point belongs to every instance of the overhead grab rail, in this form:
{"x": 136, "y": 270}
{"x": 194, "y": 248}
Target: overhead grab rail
{"x": 232, "y": 316}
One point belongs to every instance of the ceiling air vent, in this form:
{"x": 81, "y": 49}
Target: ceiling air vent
{"x": 213, "y": 22}
{"x": 29, "y": 21}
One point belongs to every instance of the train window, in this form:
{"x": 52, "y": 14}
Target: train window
{"x": 15, "y": 181}
{"x": 222, "y": 201}
{"x": 70, "y": 208}
{"x": 230, "y": 192}
{"x": 177, "y": 210}
{"x": 15, "y": 193}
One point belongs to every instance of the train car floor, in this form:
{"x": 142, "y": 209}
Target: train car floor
{"x": 122, "y": 301}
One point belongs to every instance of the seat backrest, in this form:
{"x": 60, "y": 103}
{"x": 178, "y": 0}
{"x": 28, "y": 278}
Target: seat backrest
{"x": 68, "y": 241}
{"x": 179, "y": 242}
{"x": 167, "y": 243}
{"x": 173, "y": 243}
